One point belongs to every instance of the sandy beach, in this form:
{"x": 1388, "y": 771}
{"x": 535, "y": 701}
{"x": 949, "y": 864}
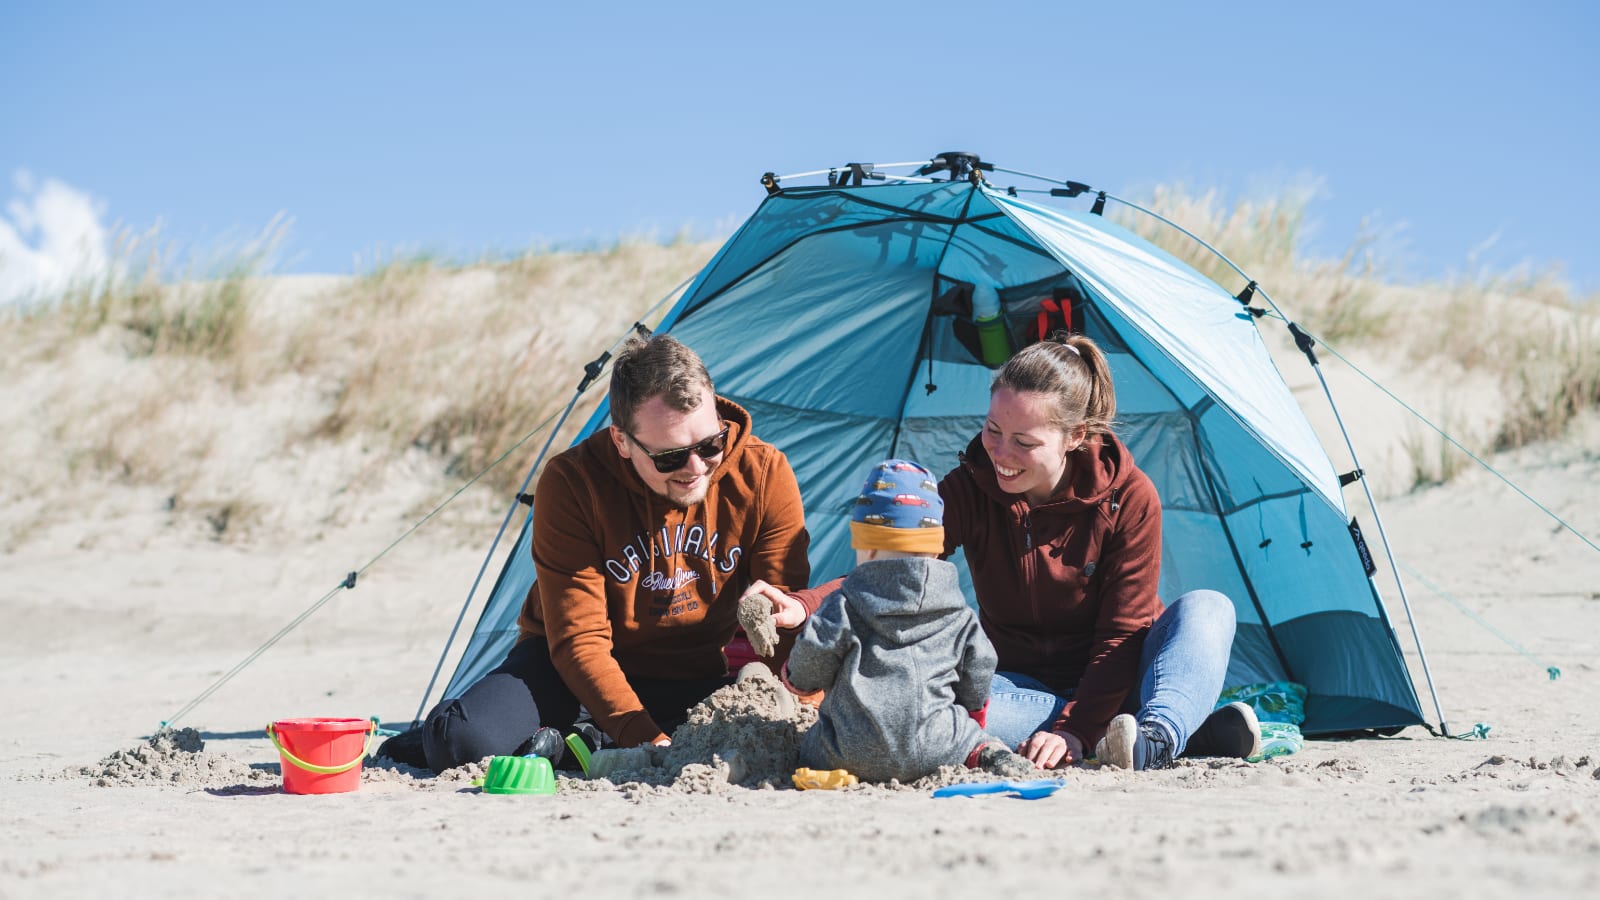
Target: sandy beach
{"x": 125, "y": 604}
{"x": 104, "y": 645}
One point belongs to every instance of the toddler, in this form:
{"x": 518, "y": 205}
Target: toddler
{"x": 905, "y": 665}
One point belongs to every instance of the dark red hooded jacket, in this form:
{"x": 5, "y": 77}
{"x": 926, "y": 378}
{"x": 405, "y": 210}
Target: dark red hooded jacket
{"x": 1066, "y": 589}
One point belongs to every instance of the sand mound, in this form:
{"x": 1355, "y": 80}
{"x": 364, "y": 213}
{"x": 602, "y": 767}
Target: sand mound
{"x": 171, "y": 757}
{"x": 739, "y": 737}
{"x": 736, "y": 736}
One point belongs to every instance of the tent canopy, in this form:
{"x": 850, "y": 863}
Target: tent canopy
{"x": 840, "y": 317}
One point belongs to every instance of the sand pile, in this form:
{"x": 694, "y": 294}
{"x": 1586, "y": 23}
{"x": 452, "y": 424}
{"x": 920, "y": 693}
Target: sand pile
{"x": 744, "y": 735}
{"x": 740, "y": 735}
{"x": 171, "y": 756}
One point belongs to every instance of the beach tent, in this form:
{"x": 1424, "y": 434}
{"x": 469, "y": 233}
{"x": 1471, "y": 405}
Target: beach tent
{"x": 842, "y": 316}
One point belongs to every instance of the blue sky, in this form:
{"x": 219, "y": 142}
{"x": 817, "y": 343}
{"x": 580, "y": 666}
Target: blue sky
{"x": 391, "y": 128}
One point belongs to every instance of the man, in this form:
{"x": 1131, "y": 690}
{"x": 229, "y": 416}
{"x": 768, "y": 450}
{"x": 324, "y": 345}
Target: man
{"x": 645, "y": 535}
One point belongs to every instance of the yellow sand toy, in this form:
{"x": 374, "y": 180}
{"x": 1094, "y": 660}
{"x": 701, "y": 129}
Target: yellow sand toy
{"x": 822, "y": 780}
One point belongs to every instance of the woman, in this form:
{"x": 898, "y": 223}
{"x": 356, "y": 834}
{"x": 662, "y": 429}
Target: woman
{"x": 1062, "y": 534}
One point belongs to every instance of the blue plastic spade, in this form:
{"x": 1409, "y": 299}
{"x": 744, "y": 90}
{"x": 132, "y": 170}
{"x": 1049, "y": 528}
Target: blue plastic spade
{"x": 1026, "y": 790}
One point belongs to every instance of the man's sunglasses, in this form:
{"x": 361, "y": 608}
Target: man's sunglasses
{"x": 678, "y": 457}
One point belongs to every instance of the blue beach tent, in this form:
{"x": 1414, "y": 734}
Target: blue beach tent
{"x": 842, "y": 316}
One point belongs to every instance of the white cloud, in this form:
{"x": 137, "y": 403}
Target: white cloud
{"x": 51, "y": 236}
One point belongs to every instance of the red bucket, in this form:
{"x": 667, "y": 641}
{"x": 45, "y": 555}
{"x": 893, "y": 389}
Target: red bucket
{"x": 321, "y": 756}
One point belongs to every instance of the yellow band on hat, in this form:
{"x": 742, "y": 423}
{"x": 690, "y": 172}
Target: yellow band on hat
{"x": 888, "y": 537}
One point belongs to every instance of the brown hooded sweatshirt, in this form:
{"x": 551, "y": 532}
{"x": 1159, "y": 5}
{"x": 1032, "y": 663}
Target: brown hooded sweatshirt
{"x": 631, "y": 585}
{"x": 1066, "y": 589}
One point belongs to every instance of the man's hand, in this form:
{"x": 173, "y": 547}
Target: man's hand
{"x": 763, "y": 609}
{"x": 1052, "y": 749}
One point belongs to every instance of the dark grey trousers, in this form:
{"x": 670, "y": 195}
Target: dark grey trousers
{"x": 500, "y": 713}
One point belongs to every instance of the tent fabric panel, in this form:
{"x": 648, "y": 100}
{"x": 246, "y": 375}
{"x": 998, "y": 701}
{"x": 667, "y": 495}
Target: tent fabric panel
{"x": 1328, "y": 715}
{"x": 1195, "y": 556}
{"x": 1138, "y": 389}
{"x": 792, "y": 215}
{"x": 1347, "y": 655}
{"x": 1169, "y": 303}
{"x": 959, "y": 230}
{"x": 1144, "y": 364}
{"x": 488, "y": 646}
{"x": 961, "y": 390}
{"x": 994, "y": 250}
{"x": 789, "y": 318}
{"x": 1242, "y": 471}
{"x": 1164, "y": 447}
{"x": 1254, "y": 660}
{"x": 1294, "y": 579}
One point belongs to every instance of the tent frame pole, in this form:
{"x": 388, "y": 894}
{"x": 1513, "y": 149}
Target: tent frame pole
{"x": 1307, "y": 344}
{"x": 590, "y": 373}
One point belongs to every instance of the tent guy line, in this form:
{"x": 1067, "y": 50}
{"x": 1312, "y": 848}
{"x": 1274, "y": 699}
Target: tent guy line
{"x": 348, "y": 583}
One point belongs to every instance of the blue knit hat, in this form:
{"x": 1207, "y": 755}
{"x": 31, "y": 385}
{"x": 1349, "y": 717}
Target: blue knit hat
{"x": 899, "y": 509}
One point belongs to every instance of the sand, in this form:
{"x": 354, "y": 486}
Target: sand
{"x": 755, "y": 615}
{"x": 113, "y": 624}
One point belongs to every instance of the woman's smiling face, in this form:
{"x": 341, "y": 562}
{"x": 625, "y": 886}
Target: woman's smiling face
{"x": 1028, "y": 449}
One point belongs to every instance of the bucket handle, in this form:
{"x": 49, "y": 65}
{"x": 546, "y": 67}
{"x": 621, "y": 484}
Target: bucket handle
{"x": 372, "y": 729}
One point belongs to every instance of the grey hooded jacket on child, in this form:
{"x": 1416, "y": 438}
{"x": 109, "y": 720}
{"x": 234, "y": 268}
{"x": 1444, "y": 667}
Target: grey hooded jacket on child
{"x": 903, "y": 660}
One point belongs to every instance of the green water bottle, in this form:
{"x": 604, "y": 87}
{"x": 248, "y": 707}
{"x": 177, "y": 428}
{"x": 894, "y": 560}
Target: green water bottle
{"x": 993, "y": 340}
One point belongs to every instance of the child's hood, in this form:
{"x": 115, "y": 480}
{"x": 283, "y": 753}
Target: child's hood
{"x": 908, "y": 599}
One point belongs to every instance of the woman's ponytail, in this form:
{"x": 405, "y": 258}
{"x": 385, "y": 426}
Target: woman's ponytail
{"x": 1072, "y": 369}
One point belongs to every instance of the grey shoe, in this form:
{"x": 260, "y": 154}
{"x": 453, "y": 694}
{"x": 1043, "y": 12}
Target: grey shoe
{"x": 1134, "y": 745}
{"x": 1116, "y": 748}
{"x": 1230, "y": 731}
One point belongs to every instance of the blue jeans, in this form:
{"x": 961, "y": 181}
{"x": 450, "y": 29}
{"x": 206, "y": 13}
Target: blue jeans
{"x": 1181, "y": 669}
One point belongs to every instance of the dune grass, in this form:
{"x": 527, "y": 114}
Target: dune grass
{"x": 200, "y": 310}
{"x": 239, "y": 401}
{"x": 461, "y": 362}
{"x": 1524, "y": 331}
{"x": 213, "y": 392}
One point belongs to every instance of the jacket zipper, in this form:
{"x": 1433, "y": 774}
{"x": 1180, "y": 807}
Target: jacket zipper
{"x": 1029, "y": 572}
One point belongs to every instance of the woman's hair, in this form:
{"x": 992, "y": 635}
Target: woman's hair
{"x": 658, "y": 367}
{"x": 1073, "y": 370}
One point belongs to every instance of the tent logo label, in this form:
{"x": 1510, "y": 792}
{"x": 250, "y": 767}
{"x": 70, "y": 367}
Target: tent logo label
{"x": 689, "y": 541}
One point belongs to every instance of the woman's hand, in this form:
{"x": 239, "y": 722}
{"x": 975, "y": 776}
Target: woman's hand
{"x": 787, "y": 612}
{"x": 1052, "y": 749}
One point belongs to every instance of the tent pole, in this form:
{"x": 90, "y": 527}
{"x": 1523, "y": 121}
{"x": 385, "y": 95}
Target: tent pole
{"x": 1306, "y": 344}
{"x": 590, "y": 373}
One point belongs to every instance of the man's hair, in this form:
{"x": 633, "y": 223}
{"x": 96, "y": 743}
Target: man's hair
{"x": 660, "y": 366}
